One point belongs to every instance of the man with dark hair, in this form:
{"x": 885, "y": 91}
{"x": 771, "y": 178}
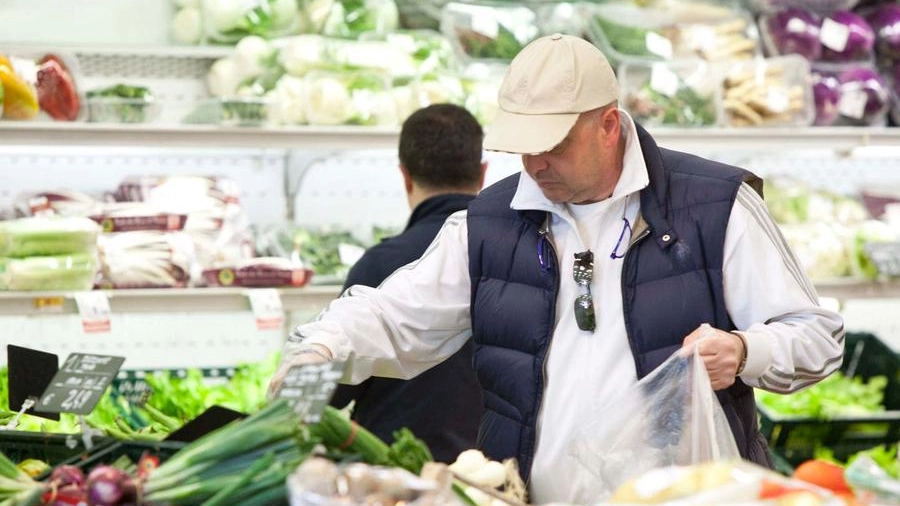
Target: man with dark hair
{"x": 440, "y": 159}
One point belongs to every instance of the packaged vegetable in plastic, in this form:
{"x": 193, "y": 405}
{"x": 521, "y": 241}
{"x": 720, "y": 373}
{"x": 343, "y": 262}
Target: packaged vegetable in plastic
{"x": 122, "y": 103}
{"x": 671, "y": 417}
{"x": 821, "y": 7}
{"x": 228, "y": 21}
{"x": 488, "y": 30}
{"x": 885, "y": 21}
{"x": 689, "y": 29}
{"x": 56, "y": 272}
{"x": 855, "y": 91}
{"x": 349, "y": 98}
{"x": 768, "y": 92}
{"x": 57, "y": 94}
{"x": 20, "y": 99}
{"x": 792, "y": 31}
{"x": 41, "y": 236}
{"x": 845, "y": 37}
{"x": 349, "y": 18}
{"x": 683, "y": 94}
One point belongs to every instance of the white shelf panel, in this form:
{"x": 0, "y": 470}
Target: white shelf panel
{"x": 196, "y": 136}
{"x": 311, "y": 298}
{"x": 355, "y": 137}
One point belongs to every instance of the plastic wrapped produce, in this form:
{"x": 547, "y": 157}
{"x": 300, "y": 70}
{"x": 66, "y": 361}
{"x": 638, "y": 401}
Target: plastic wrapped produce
{"x": 689, "y": 29}
{"x": 792, "y": 31}
{"x": 885, "y": 22}
{"x": 54, "y": 272}
{"x": 344, "y": 98}
{"x": 768, "y": 92}
{"x": 43, "y": 236}
{"x": 861, "y": 93}
{"x": 682, "y": 94}
{"x": 845, "y": 37}
{"x": 817, "y": 6}
{"x": 488, "y": 30}
{"x": 228, "y": 21}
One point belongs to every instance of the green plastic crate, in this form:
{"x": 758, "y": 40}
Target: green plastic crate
{"x": 133, "y": 450}
{"x": 50, "y": 447}
{"x": 796, "y": 437}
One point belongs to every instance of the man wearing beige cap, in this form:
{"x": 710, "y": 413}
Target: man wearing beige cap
{"x": 581, "y": 275}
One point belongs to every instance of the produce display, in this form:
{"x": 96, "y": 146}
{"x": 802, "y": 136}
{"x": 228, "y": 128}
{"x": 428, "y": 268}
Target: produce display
{"x": 678, "y": 30}
{"x": 669, "y": 94}
{"x": 121, "y": 103}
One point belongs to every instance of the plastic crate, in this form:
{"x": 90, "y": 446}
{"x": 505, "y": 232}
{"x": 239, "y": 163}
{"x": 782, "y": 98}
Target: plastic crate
{"x": 52, "y": 448}
{"x": 796, "y": 437}
{"x": 133, "y": 450}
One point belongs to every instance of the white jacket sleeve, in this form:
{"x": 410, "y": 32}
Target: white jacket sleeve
{"x": 792, "y": 342}
{"x": 414, "y": 320}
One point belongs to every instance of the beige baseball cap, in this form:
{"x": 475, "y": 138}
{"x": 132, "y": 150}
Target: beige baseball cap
{"x": 549, "y": 83}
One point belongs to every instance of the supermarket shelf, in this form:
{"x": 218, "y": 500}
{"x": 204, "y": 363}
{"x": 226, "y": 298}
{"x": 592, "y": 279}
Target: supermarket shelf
{"x": 357, "y": 137}
{"x": 312, "y": 298}
{"x": 856, "y": 289}
{"x": 196, "y": 136}
{"x": 166, "y": 300}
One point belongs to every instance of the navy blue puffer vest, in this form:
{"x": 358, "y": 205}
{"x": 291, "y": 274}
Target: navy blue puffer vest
{"x": 671, "y": 283}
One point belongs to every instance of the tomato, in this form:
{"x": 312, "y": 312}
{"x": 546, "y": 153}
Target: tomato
{"x": 823, "y": 473}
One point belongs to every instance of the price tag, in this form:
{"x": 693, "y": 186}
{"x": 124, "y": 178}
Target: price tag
{"x": 133, "y": 388}
{"x": 663, "y": 80}
{"x": 308, "y": 388}
{"x": 777, "y": 99}
{"x": 93, "y": 307}
{"x": 853, "y": 104}
{"x": 885, "y": 256}
{"x": 49, "y": 304}
{"x": 485, "y": 25}
{"x": 834, "y": 35}
{"x": 658, "y": 45}
{"x": 267, "y": 308}
{"x": 79, "y": 383}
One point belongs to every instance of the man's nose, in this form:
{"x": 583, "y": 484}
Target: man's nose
{"x": 534, "y": 163}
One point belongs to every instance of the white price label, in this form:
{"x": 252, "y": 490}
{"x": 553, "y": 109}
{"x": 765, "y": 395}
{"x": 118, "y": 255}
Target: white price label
{"x": 663, "y": 80}
{"x": 704, "y": 38}
{"x": 834, "y": 35}
{"x": 485, "y": 25}
{"x": 853, "y": 104}
{"x": 658, "y": 45}
{"x": 94, "y": 309}
{"x": 267, "y": 308}
{"x": 777, "y": 99}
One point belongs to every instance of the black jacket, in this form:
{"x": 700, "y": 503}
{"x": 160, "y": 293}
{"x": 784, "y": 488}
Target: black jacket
{"x": 441, "y": 406}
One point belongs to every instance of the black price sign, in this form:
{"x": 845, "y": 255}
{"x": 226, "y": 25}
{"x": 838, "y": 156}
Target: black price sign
{"x": 79, "y": 383}
{"x": 308, "y": 388}
{"x": 135, "y": 390}
{"x": 885, "y": 256}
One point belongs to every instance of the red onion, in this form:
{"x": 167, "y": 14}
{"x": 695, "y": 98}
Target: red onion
{"x": 109, "y": 486}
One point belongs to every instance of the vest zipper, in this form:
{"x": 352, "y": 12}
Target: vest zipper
{"x": 643, "y": 230}
{"x": 546, "y": 236}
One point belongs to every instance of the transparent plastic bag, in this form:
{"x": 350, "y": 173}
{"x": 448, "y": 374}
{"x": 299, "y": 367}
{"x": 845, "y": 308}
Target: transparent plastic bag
{"x": 669, "y": 418}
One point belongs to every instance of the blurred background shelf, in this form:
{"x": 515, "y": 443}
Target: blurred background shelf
{"x": 310, "y": 298}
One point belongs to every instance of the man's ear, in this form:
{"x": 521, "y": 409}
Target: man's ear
{"x": 611, "y": 123}
{"x": 407, "y": 180}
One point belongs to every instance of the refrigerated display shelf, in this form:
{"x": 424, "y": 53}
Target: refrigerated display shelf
{"x": 311, "y": 298}
{"x": 359, "y": 137}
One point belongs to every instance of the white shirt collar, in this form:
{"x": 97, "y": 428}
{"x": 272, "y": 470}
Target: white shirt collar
{"x": 633, "y": 178}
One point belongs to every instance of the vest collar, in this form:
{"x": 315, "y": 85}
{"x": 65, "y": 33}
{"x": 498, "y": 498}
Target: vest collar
{"x": 653, "y": 197}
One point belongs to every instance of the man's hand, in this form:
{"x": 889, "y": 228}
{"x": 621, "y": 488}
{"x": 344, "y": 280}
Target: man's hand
{"x": 722, "y": 353}
{"x": 312, "y": 354}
